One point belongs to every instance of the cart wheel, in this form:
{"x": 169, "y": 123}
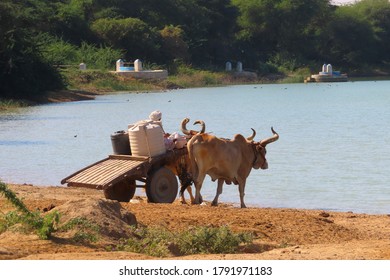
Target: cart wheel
{"x": 122, "y": 191}
{"x": 162, "y": 186}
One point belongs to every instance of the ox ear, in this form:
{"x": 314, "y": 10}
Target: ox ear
{"x": 259, "y": 148}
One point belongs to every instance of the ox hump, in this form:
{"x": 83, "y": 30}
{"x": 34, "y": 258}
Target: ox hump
{"x": 239, "y": 138}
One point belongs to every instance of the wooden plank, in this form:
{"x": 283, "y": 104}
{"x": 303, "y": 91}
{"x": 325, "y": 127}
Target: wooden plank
{"x": 64, "y": 180}
{"x": 82, "y": 185}
{"x": 105, "y": 172}
{"x": 127, "y": 157}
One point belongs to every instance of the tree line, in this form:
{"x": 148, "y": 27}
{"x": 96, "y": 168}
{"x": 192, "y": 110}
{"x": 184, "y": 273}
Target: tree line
{"x": 266, "y": 35}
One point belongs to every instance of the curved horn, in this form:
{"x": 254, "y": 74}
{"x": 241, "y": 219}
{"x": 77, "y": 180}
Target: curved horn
{"x": 184, "y": 126}
{"x": 202, "y": 124}
{"x": 266, "y": 141}
{"x": 250, "y": 138}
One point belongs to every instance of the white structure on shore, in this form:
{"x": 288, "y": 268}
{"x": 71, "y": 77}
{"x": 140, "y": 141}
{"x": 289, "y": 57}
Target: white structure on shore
{"x": 239, "y": 72}
{"x": 135, "y": 70}
{"x": 327, "y": 75}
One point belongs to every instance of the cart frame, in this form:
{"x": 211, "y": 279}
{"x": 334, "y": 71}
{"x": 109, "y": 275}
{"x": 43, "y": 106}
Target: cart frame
{"x": 116, "y": 175}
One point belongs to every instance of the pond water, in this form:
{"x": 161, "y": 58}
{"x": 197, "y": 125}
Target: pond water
{"x": 333, "y": 152}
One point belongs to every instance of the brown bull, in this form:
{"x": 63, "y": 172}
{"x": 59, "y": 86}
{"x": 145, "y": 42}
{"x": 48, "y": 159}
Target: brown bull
{"x": 181, "y": 167}
{"x": 226, "y": 160}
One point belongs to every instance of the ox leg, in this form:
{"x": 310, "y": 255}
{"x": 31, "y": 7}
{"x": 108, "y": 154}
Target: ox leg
{"x": 241, "y": 188}
{"x": 189, "y": 190}
{"x": 219, "y": 191}
{"x": 198, "y": 185}
{"x": 183, "y": 200}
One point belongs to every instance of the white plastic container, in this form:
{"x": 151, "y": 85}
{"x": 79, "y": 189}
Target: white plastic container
{"x": 146, "y": 139}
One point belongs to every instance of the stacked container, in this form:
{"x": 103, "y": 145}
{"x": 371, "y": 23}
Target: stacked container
{"x": 146, "y": 139}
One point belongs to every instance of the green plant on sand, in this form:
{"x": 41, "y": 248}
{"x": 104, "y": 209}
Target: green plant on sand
{"x": 43, "y": 226}
{"x": 160, "y": 242}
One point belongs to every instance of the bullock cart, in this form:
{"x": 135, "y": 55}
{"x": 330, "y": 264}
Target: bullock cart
{"x": 119, "y": 176}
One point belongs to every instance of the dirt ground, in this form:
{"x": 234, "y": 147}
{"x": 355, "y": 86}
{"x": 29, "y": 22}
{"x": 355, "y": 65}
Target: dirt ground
{"x": 280, "y": 234}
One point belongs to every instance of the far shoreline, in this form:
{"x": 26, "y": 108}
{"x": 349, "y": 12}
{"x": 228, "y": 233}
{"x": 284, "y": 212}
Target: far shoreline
{"x": 113, "y": 84}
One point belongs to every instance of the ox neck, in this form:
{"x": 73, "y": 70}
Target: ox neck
{"x": 254, "y": 152}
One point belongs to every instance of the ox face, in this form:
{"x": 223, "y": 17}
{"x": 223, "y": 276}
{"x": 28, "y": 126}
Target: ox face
{"x": 260, "y": 160}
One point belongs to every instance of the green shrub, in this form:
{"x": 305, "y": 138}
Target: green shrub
{"x": 46, "y": 226}
{"x": 42, "y": 226}
{"x": 86, "y": 230}
{"x": 8, "y": 220}
{"x": 160, "y": 242}
{"x": 11, "y": 197}
{"x": 30, "y": 221}
{"x": 150, "y": 241}
{"x": 62, "y": 53}
{"x": 98, "y": 57}
{"x": 7, "y": 104}
{"x": 211, "y": 240}
{"x": 57, "y": 51}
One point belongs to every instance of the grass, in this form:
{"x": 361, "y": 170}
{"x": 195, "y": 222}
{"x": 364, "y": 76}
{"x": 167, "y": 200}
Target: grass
{"x": 8, "y": 104}
{"x": 201, "y": 78}
{"x": 160, "y": 242}
{"x": 100, "y": 80}
{"x": 104, "y": 81}
{"x": 85, "y": 230}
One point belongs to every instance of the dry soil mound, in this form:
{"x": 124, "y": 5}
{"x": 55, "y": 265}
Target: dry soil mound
{"x": 111, "y": 218}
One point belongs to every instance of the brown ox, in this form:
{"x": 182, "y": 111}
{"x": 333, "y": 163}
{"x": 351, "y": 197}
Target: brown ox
{"x": 226, "y": 160}
{"x": 181, "y": 167}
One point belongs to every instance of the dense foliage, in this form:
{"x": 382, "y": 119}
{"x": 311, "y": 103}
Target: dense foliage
{"x": 38, "y": 35}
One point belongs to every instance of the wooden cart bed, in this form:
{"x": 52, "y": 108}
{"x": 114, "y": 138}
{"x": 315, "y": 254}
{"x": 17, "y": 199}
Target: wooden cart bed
{"x": 115, "y": 168}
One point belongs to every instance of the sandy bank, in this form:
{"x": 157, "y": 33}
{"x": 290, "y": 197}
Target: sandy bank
{"x": 279, "y": 233}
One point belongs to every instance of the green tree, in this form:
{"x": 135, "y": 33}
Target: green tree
{"x": 23, "y": 71}
{"x": 72, "y": 20}
{"x": 220, "y": 20}
{"x": 284, "y": 27}
{"x": 173, "y": 46}
{"x": 132, "y": 35}
{"x": 348, "y": 39}
{"x": 377, "y": 13}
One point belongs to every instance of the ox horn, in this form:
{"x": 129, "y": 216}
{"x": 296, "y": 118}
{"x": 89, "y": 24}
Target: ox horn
{"x": 250, "y": 138}
{"x": 266, "y": 141}
{"x": 202, "y": 124}
{"x": 184, "y": 126}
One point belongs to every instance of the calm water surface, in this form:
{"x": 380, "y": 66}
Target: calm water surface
{"x": 333, "y": 152}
